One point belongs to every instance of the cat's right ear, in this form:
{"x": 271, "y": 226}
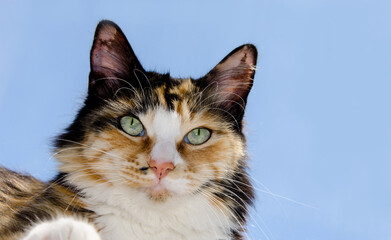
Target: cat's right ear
{"x": 113, "y": 62}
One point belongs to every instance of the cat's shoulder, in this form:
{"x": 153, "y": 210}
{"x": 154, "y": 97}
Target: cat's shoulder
{"x": 25, "y": 200}
{"x": 15, "y": 187}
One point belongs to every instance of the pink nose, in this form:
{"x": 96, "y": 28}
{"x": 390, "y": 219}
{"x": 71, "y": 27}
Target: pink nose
{"x": 161, "y": 169}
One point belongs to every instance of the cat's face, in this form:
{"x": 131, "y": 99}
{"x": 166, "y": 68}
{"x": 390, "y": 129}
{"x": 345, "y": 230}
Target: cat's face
{"x": 147, "y": 131}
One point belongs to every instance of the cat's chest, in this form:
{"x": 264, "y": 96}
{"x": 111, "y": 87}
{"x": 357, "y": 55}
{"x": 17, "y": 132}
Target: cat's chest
{"x": 171, "y": 228}
{"x": 192, "y": 218}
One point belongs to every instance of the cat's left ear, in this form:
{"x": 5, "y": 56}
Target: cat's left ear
{"x": 231, "y": 80}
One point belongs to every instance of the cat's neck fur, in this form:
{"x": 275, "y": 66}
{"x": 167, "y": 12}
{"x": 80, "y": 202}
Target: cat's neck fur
{"x": 125, "y": 212}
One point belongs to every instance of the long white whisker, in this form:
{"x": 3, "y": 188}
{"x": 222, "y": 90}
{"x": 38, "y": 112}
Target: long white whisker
{"x": 264, "y": 191}
{"x": 228, "y": 208}
{"x": 211, "y": 196}
{"x": 139, "y": 82}
{"x": 149, "y": 81}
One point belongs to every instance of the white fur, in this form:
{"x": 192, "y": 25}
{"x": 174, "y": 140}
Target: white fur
{"x": 63, "y": 229}
{"x": 166, "y": 128}
{"x": 127, "y": 213}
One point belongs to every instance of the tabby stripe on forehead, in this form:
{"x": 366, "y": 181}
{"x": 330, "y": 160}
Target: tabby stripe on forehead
{"x": 178, "y": 107}
{"x": 160, "y": 92}
{"x": 170, "y": 98}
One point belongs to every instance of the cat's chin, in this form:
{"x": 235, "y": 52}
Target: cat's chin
{"x": 159, "y": 193}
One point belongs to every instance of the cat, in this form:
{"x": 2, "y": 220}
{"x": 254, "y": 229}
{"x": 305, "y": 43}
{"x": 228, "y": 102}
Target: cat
{"x": 148, "y": 156}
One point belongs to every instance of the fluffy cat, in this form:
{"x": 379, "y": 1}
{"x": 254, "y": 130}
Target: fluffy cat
{"x": 148, "y": 156}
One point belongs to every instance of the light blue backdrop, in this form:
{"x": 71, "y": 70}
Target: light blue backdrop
{"x": 318, "y": 117}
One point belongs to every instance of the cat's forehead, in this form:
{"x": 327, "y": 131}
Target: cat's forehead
{"x": 182, "y": 87}
{"x": 172, "y": 113}
{"x": 162, "y": 123}
{"x": 173, "y": 94}
{"x": 174, "y": 90}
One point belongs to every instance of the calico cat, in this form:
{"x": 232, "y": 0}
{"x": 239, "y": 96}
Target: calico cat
{"x": 148, "y": 156}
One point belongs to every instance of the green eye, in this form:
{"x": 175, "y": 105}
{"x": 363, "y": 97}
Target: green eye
{"x": 198, "y": 136}
{"x": 132, "y": 126}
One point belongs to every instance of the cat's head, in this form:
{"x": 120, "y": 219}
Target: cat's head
{"x": 151, "y": 132}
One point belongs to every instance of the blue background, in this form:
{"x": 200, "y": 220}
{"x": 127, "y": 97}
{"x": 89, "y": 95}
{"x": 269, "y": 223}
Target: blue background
{"x": 318, "y": 118}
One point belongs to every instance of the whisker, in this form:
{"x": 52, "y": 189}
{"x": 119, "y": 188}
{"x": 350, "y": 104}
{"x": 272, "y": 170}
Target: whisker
{"x": 263, "y": 191}
{"x": 139, "y": 82}
{"x": 219, "y": 109}
{"x": 228, "y": 208}
{"x": 213, "y": 197}
{"x": 149, "y": 82}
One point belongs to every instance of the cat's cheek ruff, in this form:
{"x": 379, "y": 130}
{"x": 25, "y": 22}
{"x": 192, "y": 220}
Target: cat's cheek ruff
{"x": 104, "y": 163}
